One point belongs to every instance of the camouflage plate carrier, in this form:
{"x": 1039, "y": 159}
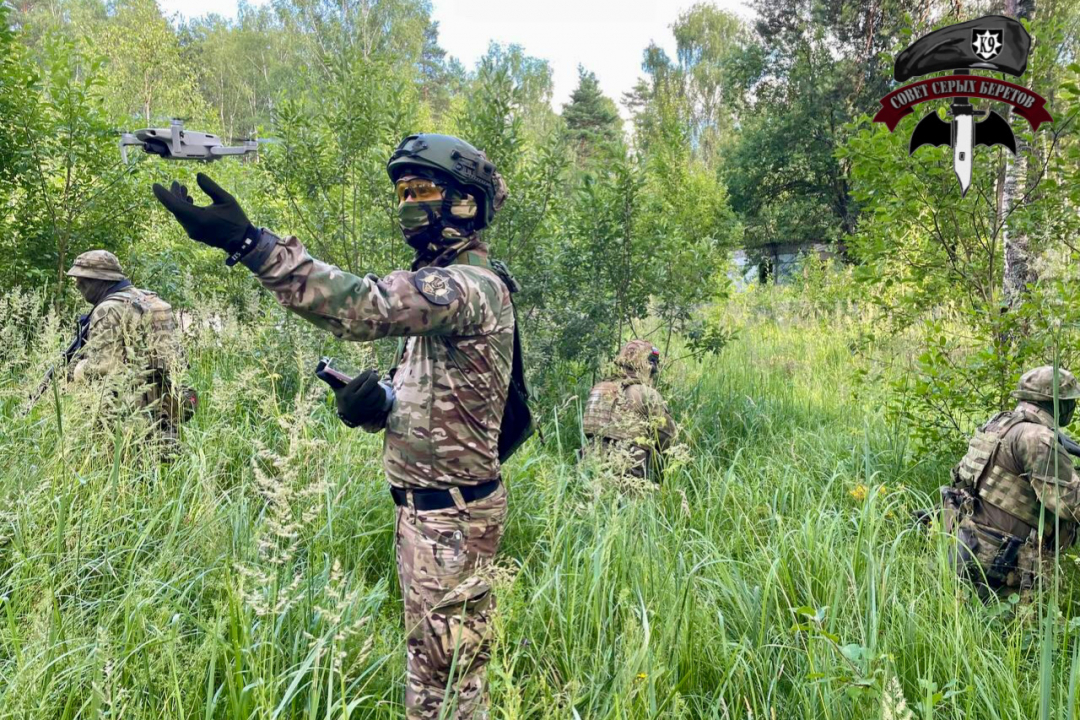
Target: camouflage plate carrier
{"x": 626, "y": 415}
{"x": 993, "y": 507}
{"x": 133, "y": 328}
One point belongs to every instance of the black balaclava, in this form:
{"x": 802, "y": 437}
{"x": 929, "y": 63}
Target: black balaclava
{"x": 1066, "y": 408}
{"x": 94, "y": 290}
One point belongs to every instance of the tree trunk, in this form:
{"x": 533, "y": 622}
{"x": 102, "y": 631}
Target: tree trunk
{"x": 1018, "y": 273}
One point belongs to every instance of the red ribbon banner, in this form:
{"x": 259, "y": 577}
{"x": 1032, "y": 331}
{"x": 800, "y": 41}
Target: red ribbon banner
{"x": 902, "y": 101}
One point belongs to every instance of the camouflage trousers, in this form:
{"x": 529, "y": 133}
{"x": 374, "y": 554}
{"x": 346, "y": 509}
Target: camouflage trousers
{"x": 441, "y": 556}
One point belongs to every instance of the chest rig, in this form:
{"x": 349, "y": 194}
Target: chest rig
{"x": 981, "y": 473}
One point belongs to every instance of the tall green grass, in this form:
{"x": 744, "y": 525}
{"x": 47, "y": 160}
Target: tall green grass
{"x": 775, "y": 574}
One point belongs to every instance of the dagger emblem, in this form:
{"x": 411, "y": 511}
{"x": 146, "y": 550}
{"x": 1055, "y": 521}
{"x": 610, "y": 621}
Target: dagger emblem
{"x": 962, "y": 134}
{"x": 962, "y": 126}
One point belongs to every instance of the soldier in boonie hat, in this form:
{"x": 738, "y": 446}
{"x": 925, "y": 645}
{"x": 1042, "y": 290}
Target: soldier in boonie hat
{"x": 97, "y": 265}
{"x": 1038, "y": 385}
{"x": 124, "y": 319}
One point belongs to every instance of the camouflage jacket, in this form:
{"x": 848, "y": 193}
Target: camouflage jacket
{"x": 131, "y": 330}
{"x": 1029, "y": 472}
{"x": 1015, "y": 480}
{"x": 452, "y": 382}
{"x": 628, "y": 408}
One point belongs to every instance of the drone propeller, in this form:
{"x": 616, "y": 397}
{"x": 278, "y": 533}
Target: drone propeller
{"x": 252, "y": 139}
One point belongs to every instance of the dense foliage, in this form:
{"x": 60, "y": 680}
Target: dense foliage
{"x": 774, "y": 575}
{"x": 755, "y": 132}
{"x": 596, "y": 227}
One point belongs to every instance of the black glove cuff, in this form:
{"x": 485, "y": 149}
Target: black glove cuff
{"x": 249, "y": 243}
{"x": 346, "y": 422}
{"x": 255, "y": 258}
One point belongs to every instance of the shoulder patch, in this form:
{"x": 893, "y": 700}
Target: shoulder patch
{"x": 437, "y": 286}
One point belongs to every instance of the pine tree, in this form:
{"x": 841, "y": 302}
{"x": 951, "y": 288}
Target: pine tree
{"x": 592, "y": 120}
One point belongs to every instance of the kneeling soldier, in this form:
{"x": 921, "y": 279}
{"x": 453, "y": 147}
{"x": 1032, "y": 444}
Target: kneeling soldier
{"x": 626, "y": 416}
{"x": 1008, "y": 488}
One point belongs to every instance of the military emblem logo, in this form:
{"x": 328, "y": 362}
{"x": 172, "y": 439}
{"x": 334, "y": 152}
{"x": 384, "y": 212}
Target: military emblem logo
{"x": 435, "y": 285}
{"x": 995, "y": 43}
{"x": 987, "y": 43}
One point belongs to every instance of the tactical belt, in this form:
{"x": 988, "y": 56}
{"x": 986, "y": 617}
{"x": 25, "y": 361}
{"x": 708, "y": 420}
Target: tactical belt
{"x": 429, "y": 499}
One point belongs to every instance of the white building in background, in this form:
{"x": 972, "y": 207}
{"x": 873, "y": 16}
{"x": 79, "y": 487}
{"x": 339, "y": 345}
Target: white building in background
{"x": 775, "y": 262}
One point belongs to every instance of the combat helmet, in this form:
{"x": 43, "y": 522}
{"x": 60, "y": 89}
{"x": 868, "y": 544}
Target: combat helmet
{"x": 1038, "y": 385}
{"x": 468, "y": 167}
{"x": 97, "y": 265}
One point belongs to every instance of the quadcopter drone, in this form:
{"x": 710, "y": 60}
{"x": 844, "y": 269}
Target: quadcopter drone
{"x": 175, "y": 143}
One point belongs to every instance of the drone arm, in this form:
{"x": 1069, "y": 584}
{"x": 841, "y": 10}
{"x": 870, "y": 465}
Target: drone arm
{"x": 221, "y": 150}
{"x": 127, "y": 140}
{"x": 176, "y": 137}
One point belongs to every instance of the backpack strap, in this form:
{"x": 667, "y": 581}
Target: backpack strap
{"x": 517, "y": 365}
{"x": 398, "y": 354}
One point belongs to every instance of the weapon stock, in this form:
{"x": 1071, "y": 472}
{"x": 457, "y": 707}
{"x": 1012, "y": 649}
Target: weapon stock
{"x": 1071, "y": 446}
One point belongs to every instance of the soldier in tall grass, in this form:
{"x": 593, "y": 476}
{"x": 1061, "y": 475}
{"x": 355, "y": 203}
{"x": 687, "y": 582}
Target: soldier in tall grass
{"x": 625, "y": 417}
{"x": 1015, "y": 496}
{"x": 443, "y": 412}
{"x": 128, "y": 345}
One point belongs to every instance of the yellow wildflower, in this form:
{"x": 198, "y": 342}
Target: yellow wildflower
{"x": 859, "y": 493}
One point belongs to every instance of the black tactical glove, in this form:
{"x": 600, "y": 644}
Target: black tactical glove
{"x": 362, "y": 401}
{"x": 221, "y": 224}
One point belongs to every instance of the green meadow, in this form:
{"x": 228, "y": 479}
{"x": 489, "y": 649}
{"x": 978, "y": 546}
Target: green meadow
{"x": 776, "y": 573}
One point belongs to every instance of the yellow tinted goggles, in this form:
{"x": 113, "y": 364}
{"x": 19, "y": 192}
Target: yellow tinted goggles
{"x": 418, "y": 190}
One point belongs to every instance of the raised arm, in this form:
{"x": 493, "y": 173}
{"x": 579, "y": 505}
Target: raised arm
{"x": 457, "y": 300}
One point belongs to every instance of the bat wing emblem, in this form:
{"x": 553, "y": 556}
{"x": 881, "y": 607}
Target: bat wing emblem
{"x": 994, "y": 130}
{"x": 931, "y": 130}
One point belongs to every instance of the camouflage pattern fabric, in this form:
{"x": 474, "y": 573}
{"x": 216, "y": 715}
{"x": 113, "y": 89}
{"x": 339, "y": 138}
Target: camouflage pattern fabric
{"x": 1015, "y": 470}
{"x": 442, "y": 432}
{"x": 1038, "y": 384}
{"x": 97, "y": 265}
{"x": 626, "y": 416}
{"x": 133, "y": 342}
{"x": 441, "y": 557}
{"x": 452, "y": 381}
